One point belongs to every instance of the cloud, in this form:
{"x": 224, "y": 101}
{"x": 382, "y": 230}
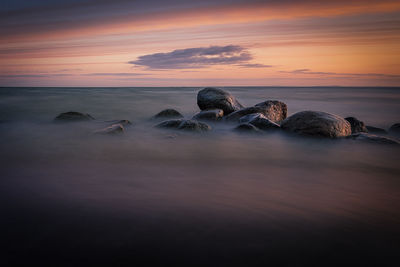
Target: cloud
{"x": 254, "y": 65}
{"x": 115, "y": 74}
{"x": 308, "y": 71}
{"x": 193, "y": 58}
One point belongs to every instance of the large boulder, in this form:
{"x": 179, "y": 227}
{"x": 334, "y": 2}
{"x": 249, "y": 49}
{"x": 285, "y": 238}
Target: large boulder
{"x": 395, "y": 129}
{"x": 273, "y": 110}
{"x": 73, "y": 116}
{"x": 214, "y": 98}
{"x": 111, "y": 130}
{"x": 316, "y": 123}
{"x": 356, "y": 125}
{"x": 186, "y": 125}
{"x": 167, "y": 114}
{"x": 209, "y": 115}
{"x": 371, "y": 138}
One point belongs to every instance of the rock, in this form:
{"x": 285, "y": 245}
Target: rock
{"x": 73, "y": 116}
{"x": 214, "y": 98}
{"x": 186, "y": 125}
{"x": 272, "y": 110}
{"x": 113, "y": 129}
{"x": 276, "y": 111}
{"x": 122, "y": 122}
{"x": 264, "y": 124}
{"x": 170, "y": 123}
{"x": 167, "y": 114}
{"x": 316, "y": 123}
{"x": 395, "y": 129}
{"x": 371, "y": 138}
{"x": 372, "y": 129}
{"x": 209, "y": 115}
{"x": 246, "y": 128}
{"x": 356, "y": 125}
{"x": 249, "y": 117}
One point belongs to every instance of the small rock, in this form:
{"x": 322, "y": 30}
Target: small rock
{"x": 246, "y": 128}
{"x": 122, "y": 122}
{"x": 209, "y": 115}
{"x": 170, "y": 123}
{"x": 316, "y": 123}
{"x": 186, "y": 125}
{"x": 167, "y": 114}
{"x": 73, "y": 116}
{"x": 271, "y": 109}
{"x": 113, "y": 129}
{"x": 264, "y": 124}
{"x": 214, "y": 98}
{"x": 356, "y": 125}
{"x": 395, "y": 129}
{"x": 371, "y": 138}
{"x": 372, "y": 129}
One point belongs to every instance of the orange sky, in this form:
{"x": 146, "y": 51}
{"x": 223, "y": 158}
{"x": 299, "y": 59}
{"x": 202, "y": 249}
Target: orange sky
{"x": 296, "y": 43}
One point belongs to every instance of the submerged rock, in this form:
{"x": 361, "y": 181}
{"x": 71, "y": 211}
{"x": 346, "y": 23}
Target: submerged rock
{"x": 73, "y": 116}
{"x": 316, "y": 123}
{"x": 209, "y": 115}
{"x": 122, "y": 122}
{"x": 249, "y": 117}
{"x": 395, "y": 129}
{"x": 356, "y": 125}
{"x": 214, "y": 98}
{"x": 372, "y": 129}
{"x": 264, "y": 124}
{"x": 167, "y": 114}
{"x": 271, "y": 109}
{"x": 371, "y": 138}
{"x": 187, "y": 125}
{"x": 113, "y": 129}
{"x": 246, "y": 128}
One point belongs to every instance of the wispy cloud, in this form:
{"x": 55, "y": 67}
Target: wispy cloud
{"x": 254, "y": 65}
{"x": 115, "y": 74}
{"x": 199, "y": 57}
{"x": 308, "y": 71}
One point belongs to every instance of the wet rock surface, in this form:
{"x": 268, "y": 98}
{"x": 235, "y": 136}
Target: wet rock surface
{"x": 356, "y": 125}
{"x": 214, "y": 98}
{"x": 264, "y": 124}
{"x": 111, "y": 130}
{"x": 272, "y": 110}
{"x": 372, "y": 138}
{"x": 246, "y": 128}
{"x": 209, "y": 115}
{"x": 167, "y": 114}
{"x": 375, "y": 130}
{"x": 318, "y": 124}
{"x": 72, "y": 116}
{"x": 186, "y": 125}
{"x": 395, "y": 129}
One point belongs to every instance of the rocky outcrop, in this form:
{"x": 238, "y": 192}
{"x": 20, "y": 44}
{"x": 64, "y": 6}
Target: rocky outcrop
{"x": 356, "y": 125}
{"x": 371, "y": 138}
{"x": 186, "y": 125}
{"x": 209, "y": 115}
{"x": 316, "y": 123}
{"x": 167, "y": 114}
{"x": 214, "y": 98}
{"x": 375, "y": 130}
{"x": 111, "y": 130}
{"x": 72, "y": 116}
{"x": 272, "y": 110}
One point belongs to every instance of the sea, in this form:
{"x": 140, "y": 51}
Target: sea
{"x": 156, "y": 197}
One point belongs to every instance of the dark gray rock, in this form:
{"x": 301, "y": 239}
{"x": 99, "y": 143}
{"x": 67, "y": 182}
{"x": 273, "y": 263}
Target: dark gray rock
{"x": 209, "y": 115}
{"x": 167, "y": 114}
{"x": 371, "y": 138}
{"x": 111, "y": 130}
{"x": 356, "y": 125}
{"x": 375, "y": 130}
{"x": 316, "y": 123}
{"x": 395, "y": 129}
{"x": 264, "y": 124}
{"x": 249, "y": 117}
{"x": 214, "y": 98}
{"x": 272, "y": 110}
{"x": 72, "y": 116}
{"x": 122, "y": 122}
{"x": 246, "y": 128}
{"x": 186, "y": 125}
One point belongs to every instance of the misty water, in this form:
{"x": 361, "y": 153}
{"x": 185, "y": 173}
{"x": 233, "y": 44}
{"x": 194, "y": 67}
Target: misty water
{"x": 216, "y": 198}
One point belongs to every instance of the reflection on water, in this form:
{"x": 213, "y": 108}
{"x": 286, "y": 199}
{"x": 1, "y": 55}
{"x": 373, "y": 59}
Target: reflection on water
{"x": 156, "y": 189}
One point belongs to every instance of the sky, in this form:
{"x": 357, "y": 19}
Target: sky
{"x": 200, "y": 43}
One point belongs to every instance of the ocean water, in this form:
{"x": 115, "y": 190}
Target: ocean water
{"x": 69, "y": 198}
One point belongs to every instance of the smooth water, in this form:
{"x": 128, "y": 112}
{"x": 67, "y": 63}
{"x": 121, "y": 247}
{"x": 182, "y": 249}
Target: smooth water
{"x": 214, "y": 199}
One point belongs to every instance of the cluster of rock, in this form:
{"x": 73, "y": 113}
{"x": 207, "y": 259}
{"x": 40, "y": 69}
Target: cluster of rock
{"x": 219, "y": 106}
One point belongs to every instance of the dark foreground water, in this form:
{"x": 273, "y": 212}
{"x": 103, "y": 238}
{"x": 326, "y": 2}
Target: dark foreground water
{"x": 153, "y": 197}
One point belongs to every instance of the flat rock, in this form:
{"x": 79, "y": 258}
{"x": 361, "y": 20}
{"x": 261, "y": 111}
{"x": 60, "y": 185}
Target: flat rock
{"x": 186, "y": 125}
{"x": 317, "y": 123}
{"x": 246, "y": 128}
{"x": 264, "y": 124}
{"x": 356, "y": 125}
{"x": 271, "y": 109}
{"x": 372, "y": 138}
{"x": 395, "y": 129}
{"x": 214, "y": 98}
{"x": 167, "y": 114}
{"x": 209, "y": 115}
{"x": 373, "y": 130}
{"x": 73, "y": 116}
{"x": 111, "y": 130}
